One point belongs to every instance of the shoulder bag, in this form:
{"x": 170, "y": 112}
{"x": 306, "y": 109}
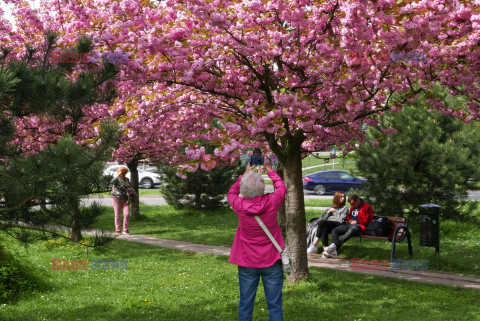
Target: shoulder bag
{"x": 286, "y": 264}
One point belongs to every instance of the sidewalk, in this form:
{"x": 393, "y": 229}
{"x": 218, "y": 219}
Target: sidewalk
{"x": 158, "y": 200}
{"x": 315, "y": 260}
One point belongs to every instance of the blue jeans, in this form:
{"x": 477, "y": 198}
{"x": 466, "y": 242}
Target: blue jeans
{"x": 272, "y": 278}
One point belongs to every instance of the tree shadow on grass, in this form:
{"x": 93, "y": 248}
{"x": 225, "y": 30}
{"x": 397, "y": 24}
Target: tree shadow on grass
{"x": 333, "y": 295}
{"x": 371, "y": 249}
{"x": 204, "y": 309}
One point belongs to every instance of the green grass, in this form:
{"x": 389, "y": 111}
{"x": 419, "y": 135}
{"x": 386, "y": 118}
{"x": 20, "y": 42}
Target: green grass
{"x": 152, "y": 191}
{"x": 207, "y": 227}
{"x": 459, "y": 245}
{"x": 318, "y": 202}
{"x": 163, "y": 284}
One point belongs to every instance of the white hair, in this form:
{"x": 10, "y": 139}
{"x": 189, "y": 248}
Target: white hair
{"x": 252, "y": 185}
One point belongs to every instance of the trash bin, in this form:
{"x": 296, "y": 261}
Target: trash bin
{"x": 430, "y": 226}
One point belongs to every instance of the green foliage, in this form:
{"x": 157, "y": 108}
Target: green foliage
{"x": 16, "y": 277}
{"x": 8, "y": 81}
{"x": 64, "y": 171}
{"x": 433, "y": 158}
{"x": 59, "y": 176}
{"x": 201, "y": 189}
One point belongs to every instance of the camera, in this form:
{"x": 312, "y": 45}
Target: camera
{"x": 257, "y": 158}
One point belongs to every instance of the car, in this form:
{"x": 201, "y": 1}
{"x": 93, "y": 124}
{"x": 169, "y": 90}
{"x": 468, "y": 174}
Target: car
{"x": 324, "y": 182}
{"x": 146, "y": 179}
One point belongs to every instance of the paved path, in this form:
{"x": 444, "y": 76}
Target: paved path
{"x": 315, "y": 260}
{"x": 106, "y": 200}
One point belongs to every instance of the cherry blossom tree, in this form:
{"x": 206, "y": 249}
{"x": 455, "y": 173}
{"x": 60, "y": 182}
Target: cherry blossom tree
{"x": 290, "y": 76}
{"x": 153, "y": 130}
{"x": 301, "y": 76}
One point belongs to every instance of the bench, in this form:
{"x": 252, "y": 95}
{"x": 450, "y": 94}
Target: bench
{"x": 399, "y": 228}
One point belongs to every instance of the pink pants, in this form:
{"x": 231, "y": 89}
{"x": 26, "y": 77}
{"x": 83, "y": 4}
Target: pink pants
{"x": 118, "y": 205}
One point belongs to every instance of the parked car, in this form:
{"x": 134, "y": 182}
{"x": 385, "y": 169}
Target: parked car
{"x": 331, "y": 181}
{"x": 146, "y": 179}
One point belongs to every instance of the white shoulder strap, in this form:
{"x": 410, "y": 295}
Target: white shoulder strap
{"x": 270, "y": 236}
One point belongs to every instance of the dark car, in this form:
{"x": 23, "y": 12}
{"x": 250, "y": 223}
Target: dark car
{"x": 331, "y": 181}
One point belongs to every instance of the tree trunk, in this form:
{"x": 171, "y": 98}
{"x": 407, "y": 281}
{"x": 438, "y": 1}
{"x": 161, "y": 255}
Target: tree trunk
{"x": 135, "y": 200}
{"x": 281, "y": 216}
{"x": 76, "y": 232}
{"x": 295, "y": 217}
{"x": 196, "y": 201}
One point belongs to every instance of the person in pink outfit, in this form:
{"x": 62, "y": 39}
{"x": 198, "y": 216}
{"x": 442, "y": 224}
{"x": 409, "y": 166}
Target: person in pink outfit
{"x": 252, "y": 250}
{"x": 120, "y": 190}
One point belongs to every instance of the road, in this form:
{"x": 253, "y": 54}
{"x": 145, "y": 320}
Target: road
{"x": 474, "y": 195}
{"x": 105, "y": 200}
{"x": 159, "y": 200}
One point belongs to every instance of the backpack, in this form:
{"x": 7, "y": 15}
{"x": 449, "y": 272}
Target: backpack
{"x": 312, "y": 227}
{"x": 378, "y": 226}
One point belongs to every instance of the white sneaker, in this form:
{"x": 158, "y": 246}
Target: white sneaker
{"x": 332, "y": 247}
{"x": 312, "y": 249}
{"x": 333, "y": 254}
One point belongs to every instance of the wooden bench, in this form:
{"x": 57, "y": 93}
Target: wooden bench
{"x": 399, "y": 228}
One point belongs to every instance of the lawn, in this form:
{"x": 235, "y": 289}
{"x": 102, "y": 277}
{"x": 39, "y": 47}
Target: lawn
{"x": 318, "y": 202}
{"x": 152, "y": 191}
{"x": 163, "y": 284}
{"x": 459, "y": 245}
{"x": 319, "y": 164}
{"x": 215, "y": 227}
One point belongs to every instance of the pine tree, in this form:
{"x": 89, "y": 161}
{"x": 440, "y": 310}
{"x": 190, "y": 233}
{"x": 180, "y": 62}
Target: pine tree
{"x": 432, "y": 158}
{"x": 201, "y": 189}
{"x": 64, "y": 171}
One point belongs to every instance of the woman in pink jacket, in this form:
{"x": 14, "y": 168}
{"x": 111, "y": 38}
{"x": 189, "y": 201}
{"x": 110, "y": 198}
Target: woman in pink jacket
{"x": 252, "y": 250}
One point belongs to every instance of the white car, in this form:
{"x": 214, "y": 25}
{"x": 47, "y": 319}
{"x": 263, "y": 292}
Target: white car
{"x": 146, "y": 179}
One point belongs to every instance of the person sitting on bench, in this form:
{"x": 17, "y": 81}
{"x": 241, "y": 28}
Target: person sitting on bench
{"x": 333, "y": 217}
{"x": 361, "y": 214}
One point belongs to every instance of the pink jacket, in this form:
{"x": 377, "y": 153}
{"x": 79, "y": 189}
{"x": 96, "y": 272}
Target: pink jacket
{"x": 251, "y": 247}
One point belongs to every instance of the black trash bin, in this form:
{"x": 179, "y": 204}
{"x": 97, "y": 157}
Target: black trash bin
{"x": 430, "y": 226}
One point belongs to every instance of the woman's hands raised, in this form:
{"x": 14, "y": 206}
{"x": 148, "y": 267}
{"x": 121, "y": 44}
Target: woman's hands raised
{"x": 267, "y": 164}
{"x": 249, "y": 168}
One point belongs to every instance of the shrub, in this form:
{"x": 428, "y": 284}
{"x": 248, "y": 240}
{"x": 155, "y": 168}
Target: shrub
{"x": 201, "y": 189}
{"x": 432, "y": 158}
